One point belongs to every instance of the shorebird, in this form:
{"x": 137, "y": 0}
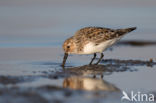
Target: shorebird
{"x": 92, "y": 40}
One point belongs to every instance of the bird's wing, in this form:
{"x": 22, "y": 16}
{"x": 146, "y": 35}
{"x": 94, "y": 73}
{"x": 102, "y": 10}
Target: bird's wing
{"x": 96, "y": 34}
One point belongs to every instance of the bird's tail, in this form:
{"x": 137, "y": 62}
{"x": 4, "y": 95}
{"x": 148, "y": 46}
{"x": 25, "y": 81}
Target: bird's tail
{"x": 124, "y": 31}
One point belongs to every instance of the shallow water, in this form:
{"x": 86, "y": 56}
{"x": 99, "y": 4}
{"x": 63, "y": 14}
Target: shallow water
{"x": 31, "y": 35}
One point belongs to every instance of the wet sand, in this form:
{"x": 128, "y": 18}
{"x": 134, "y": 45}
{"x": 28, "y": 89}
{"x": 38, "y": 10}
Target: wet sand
{"x": 35, "y": 75}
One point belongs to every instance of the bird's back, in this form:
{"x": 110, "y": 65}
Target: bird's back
{"x": 97, "y": 39}
{"x": 99, "y": 34}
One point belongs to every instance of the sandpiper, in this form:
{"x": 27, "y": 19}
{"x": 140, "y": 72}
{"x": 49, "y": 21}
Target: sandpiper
{"x": 92, "y": 40}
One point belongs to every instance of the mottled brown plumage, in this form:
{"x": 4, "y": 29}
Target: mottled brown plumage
{"x": 97, "y": 35}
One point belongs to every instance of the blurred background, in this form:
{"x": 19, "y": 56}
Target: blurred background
{"x": 47, "y": 23}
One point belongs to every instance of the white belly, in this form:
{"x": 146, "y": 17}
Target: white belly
{"x": 91, "y": 48}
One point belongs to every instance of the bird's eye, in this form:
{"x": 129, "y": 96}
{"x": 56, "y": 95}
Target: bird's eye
{"x": 68, "y": 46}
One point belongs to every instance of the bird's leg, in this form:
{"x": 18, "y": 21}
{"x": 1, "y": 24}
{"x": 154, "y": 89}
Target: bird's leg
{"x": 100, "y": 59}
{"x": 92, "y": 59}
{"x": 64, "y": 59}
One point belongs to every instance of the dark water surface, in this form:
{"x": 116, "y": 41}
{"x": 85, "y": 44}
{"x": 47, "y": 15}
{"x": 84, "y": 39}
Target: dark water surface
{"x": 31, "y": 35}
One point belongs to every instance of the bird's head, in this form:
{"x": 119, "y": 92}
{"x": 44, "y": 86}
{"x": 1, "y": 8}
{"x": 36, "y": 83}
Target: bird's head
{"x": 69, "y": 46}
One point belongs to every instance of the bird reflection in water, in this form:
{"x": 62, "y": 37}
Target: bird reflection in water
{"x": 88, "y": 83}
{"x": 86, "y": 77}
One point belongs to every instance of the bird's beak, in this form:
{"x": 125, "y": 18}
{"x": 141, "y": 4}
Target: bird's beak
{"x": 64, "y": 59}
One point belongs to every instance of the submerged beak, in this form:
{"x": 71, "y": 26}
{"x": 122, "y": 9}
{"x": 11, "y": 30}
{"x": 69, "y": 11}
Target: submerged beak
{"x": 64, "y": 59}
